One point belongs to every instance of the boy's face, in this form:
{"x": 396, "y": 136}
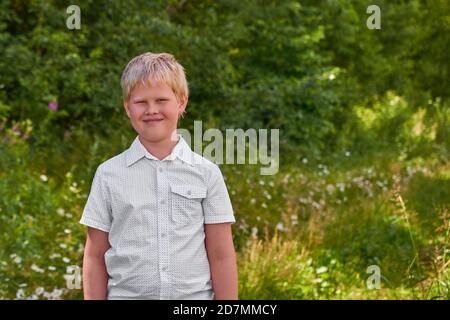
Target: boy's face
{"x": 154, "y": 111}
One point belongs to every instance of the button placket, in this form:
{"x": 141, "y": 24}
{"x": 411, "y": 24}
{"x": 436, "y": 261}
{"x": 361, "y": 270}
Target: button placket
{"x": 163, "y": 214}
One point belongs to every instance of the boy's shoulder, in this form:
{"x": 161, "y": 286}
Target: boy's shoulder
{"x": 209, "y": 168}
{"x": 113, "y": 164}
{"x": 202, "y": 161}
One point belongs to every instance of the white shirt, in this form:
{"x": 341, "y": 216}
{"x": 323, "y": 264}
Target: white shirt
{"x": 155, "y": 211}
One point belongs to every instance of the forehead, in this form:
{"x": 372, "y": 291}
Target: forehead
{"x": 151, "y": 89}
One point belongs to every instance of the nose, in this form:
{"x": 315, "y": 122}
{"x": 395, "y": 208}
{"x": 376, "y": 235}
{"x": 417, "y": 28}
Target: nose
{"x": 151, "y": 108}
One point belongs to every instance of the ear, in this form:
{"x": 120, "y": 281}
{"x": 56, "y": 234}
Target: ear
{"x": 182, "y": 104}
{"x": 125, "y": 105}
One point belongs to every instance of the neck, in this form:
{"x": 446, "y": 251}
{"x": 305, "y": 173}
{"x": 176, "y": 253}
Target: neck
{"x": 160, "y": 149}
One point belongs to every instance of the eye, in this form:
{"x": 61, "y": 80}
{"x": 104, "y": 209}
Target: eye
{"x": 161, "y": 100}
{"x": 139, "y": 101}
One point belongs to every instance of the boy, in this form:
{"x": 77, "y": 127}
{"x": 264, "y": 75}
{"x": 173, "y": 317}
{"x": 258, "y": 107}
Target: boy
{"x": 159, "y": 215}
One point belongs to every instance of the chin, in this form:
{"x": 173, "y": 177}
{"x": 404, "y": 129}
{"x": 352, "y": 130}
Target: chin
{"x": 154, "y": 135}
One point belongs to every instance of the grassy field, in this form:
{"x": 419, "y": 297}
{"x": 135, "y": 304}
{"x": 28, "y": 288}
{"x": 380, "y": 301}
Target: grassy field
{"x": 321, "y": 233}
{"x": 309, "y": 232}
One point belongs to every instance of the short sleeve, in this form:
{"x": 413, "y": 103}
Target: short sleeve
{"x": 217, "y": 206}
{"x": 97, "y": 211}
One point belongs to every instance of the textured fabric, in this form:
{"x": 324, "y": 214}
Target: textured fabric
{"x": 154, "y": 212}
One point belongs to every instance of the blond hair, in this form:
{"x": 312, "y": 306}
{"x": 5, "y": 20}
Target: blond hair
{"x": 158, "y": 67}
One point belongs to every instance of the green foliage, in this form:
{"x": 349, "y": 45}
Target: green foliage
{"x": 363, "y": 114}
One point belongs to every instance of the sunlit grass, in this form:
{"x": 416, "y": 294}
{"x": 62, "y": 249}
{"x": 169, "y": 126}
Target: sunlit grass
{"x": 308, "y": 232}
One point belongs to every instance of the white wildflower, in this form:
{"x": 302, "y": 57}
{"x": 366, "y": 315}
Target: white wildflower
{"x": 35, "y": 268}
{"x": 16, "y": 259}
{"x": 379, "y": 183}
{"x": 341, "y": 186}
{"x": 317, "y": 280}
{"x": 60, "y": 212}
{"x": 316, "y": 205}
{"x": 20, "y": 294}
{"x": 330, "y": 188}
{"x": 280, "y": 226}
{"x": 321, "y": 270}
{"x": 39, "y": 291}
{"x": 56, "y": 294}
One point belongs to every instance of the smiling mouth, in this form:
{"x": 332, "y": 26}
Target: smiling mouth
{"x": 152, "y": 120}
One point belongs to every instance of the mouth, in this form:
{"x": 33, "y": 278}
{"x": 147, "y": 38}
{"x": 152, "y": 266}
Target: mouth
{"x": 153, "y": 120}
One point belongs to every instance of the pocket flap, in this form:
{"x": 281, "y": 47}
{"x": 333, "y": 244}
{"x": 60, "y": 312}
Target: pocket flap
{"x": 188, "y": 191}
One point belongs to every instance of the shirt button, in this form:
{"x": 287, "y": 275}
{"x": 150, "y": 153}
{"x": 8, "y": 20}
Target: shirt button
{"x": 189, "y": 192}
{"x": 164, "y": 268}
{"x": 163, "y": 235}
{"x": 162, "y": 202}
{"x": 160, "y": 169}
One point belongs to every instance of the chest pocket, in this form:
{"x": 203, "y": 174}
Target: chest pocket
{"x": 187, "y": 203}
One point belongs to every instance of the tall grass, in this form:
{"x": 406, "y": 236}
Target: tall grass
{"x": 309, "y": 232}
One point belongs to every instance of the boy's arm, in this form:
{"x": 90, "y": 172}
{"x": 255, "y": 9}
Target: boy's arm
{"x": 95, "y": 277}
{"x": 222, "y": 260}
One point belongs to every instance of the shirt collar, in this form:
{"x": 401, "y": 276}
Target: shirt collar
{"x": 137, "y": 151}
